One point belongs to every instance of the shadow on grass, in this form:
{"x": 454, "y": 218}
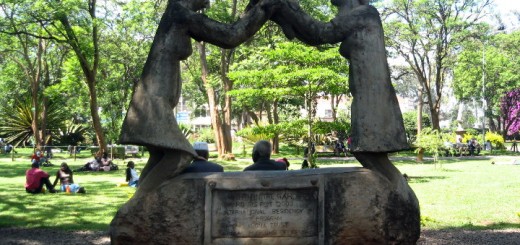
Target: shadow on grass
{"x": 417, "y": 179}
{"x": 493, "y": 226}
{"x": 92, "y": 211}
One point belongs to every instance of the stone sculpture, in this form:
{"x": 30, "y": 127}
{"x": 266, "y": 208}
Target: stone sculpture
{"x": 377, "y": 129}
{"x": 150, "y": 120}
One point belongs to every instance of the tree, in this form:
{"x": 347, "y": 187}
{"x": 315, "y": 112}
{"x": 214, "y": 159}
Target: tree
{"x": 108, "y": 48}
{"x": 225, "y": 11}
{"x": 289, "y": 70}
{"x": 493, "y": 63}
{"x": 38, "y": 58}
{"x": 122, "y": 55}
{"x": 426, "y": 34}
{"x": 216, "y": 64}
{"x": 74, "y": 23}
{"x": 18, "y": 120}
{"x": 510, "y": 108}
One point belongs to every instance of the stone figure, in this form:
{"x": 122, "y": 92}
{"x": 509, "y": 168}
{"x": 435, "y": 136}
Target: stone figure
{"x": 150, "y": 120}
{"x": 377, "y": 125}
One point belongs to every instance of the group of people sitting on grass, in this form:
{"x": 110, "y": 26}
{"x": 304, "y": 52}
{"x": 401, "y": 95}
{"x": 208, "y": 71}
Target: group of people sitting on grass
{"x": 36, "y": 179}
{"x": 100, "y": 163}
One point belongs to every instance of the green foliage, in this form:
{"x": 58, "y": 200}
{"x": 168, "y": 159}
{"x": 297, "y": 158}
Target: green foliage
{"x": 490, "y": 61}
{"x": 291, "y": 133}
{"x": 205, "y": 135}
{"x": 72, "y": 135}
{"x": 427, "y": 35}
{"x": 17, "y": 121}
{"x": 254, "y": 134}
{"x": 471, "y": 134}
{"x": 410, "y": 124}
{"x": 432, "y": 141}
{"x": 186, "y": 130}
{"x": 340, "y": 127}
{"x": 295, "y": 132}
{"x": 496, "y": 140}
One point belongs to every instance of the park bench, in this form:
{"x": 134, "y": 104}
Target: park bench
{"x": 324, "y": 149}
{"x": 118, "y": 151}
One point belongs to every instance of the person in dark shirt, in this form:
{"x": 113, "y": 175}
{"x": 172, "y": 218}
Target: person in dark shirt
{"x": 261, "y": 158}
{"x": 201, "y": 163}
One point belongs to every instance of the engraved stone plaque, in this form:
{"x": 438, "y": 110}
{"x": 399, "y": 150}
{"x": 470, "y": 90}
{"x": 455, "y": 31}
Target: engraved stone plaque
{"x": 264, "y": 213}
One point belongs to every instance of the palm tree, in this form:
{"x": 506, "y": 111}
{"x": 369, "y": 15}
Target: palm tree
{"x": 16, "y": 122}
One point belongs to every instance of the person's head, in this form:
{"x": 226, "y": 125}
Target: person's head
{"x": 262, "y": 149}
{"x": 105, "y": 155}
{"x": 38, "y": 153}
{"x": 130, "y": 164}
{"x": 65, "y": 167}
{"x": 202, "y": 149}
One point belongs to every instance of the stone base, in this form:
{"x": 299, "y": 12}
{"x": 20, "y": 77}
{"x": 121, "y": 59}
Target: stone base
{"x": 316, "y": 206}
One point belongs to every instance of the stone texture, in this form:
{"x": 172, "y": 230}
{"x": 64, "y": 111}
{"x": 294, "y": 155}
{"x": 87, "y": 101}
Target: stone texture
{"x": 354, "y": 206}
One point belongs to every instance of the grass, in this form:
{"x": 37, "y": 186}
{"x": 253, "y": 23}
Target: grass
{"x": 471, "y": 194}
{"x": 468, "y": 193}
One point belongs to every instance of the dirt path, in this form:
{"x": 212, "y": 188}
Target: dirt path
{"x": 428, "y": 237}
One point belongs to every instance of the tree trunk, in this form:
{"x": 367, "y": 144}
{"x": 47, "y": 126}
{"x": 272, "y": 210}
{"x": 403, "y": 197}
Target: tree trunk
{"x": 228, "y": 86}
{"x": 420, "y": 153}
{"x": 216, "y": 122}
{"x": 96, "y": 121}
{"x": 45, "y": 104}
{"x": 276, "y": 120}
{"x": 89, "y": 71}
{"x": 333, "y": 107}
{"x": 35, "y": 85}
{"x": 435, "y": 118}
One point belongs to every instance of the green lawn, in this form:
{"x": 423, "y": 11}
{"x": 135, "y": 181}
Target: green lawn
{"x": 462, "y": 193}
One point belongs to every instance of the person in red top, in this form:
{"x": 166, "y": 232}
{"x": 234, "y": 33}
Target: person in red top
{"x": 38, "y": 158}
{"x": 35, "y": 178}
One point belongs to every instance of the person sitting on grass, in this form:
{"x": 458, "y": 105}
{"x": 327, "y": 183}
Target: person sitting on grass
{"x": 40, "y": 159}
{"x": 106, "y": 163}
{"x": 93, "y": 165}
{"x": 131, "y": 175}
{"x": 201, "y": 163}
{"x": 64, "y": 174}
{"x": 35, "y": 178}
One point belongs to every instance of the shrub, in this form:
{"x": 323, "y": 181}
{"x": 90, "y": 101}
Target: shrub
{"x": 206, "y": 135}
{"x": 496, "y": 140}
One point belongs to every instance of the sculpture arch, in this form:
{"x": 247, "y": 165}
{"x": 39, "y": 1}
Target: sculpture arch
{"x": 377, "y": 125}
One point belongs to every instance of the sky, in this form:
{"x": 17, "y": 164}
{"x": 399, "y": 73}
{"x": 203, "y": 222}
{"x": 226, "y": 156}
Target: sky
{"x": 506, "y": 8}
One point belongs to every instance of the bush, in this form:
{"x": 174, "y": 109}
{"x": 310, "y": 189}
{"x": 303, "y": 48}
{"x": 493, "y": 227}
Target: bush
{"x": 496, "y": 140}
{"x": 206, "y": 135}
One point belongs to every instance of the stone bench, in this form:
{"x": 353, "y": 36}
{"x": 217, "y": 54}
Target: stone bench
{"x": 316, "y": 206}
